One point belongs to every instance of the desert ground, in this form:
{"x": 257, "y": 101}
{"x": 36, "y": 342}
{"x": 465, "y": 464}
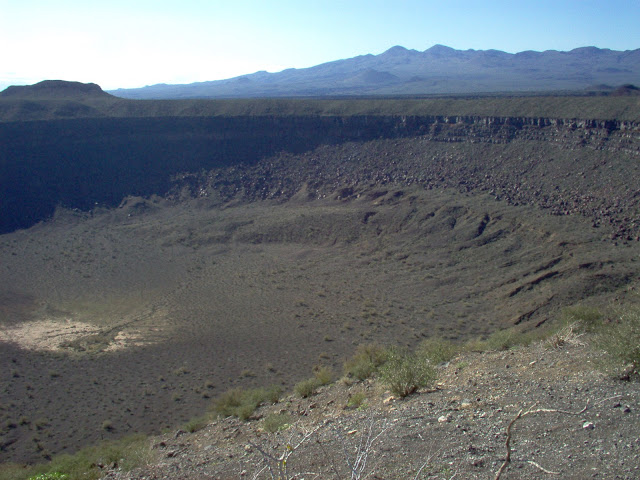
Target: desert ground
{"x": 131, "y": 319}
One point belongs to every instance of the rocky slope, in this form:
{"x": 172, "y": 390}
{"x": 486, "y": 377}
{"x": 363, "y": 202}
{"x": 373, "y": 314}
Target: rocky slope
{"x": 81, "y": 163}
{"x": 581, "y": 424}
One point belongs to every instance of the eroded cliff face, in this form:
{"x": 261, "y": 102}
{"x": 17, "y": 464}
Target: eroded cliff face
{"x": 87, "y": 162}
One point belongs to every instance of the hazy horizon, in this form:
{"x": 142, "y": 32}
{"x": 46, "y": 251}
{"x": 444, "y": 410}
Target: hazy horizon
{"x": 133, "y": 44}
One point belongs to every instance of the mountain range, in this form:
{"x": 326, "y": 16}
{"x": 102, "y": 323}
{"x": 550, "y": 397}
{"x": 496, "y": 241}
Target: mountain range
{"x": 439, "y": 70}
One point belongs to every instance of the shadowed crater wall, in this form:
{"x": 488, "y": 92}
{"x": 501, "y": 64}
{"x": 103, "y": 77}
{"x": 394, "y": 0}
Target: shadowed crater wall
{"x": 79, "y": 163}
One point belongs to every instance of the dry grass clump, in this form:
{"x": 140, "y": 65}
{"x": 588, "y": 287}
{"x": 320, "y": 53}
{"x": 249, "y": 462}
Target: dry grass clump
{"x": 127, "y": 453}
{"x": 276, "y": 422}
{"x": 505, "y": 340}
{"x": 366, "y": 361}
{"x": 321, "y": 376}
{"x": 620, "y": 339}
{"x": 241, "y": 403}
{"x": 438, "y": 350}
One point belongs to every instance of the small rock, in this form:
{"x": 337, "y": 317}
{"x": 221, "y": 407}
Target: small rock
{"x": 588, "y": 426}
{"x": 444, "y": 419}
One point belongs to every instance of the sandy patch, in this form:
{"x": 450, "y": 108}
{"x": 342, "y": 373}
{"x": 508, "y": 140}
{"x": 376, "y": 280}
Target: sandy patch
{"x": 46, "y": 335}
{"x": 124, "y": 340}
{"x": 52, "y": 336}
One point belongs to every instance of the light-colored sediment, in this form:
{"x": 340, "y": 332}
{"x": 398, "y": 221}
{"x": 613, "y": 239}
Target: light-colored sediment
{"x": 54, "y": 335}
{"x": 46, "y": 335}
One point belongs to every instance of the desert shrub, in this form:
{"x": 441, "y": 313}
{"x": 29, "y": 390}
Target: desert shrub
{"x": 357, "y": 400}
{"x": 620, "y": 339}
{"x": 438, "y": 350}
{"x": 324, "y": 375}
{"x": 127, "y": 453}
{"x": 504, "y": 340}
{"x": 276, "y": 422}
{"x": 107, "y": 425}
{"x": 307, "y": 387}
{"x": 195, "y": 424}
{"x": 272, "y": 394}
{"x": 366, "y": 361}
{"x": 241, "y": 403}
{"x": 321, "y": 376}
{"x": 589, "y": 319}
{"x": 404, "y": 372}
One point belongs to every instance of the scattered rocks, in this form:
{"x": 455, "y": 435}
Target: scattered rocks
{"x": 469, "y": 443}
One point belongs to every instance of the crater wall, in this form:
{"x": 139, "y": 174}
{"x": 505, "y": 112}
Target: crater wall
{"x": 81, "y": 163}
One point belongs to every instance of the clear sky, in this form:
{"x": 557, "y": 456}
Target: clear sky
{"x": 131, "y": 43}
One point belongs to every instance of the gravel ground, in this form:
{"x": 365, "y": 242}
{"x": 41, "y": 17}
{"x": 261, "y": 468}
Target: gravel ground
{"x": 577, "y": 422}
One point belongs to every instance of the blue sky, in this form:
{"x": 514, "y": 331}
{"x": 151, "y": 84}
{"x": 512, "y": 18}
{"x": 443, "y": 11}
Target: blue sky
{"x": 133, "y": 43}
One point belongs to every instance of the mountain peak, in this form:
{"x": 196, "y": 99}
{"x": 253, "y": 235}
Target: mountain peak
{"x": 440, "y": 50}
{"x": 396, "y": 50}
{"x": 54, "y": 89}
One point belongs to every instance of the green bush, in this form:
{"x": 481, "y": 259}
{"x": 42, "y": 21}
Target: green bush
{"x": 366, "y": 361}
{"x": 324, "y": 375}
{"x": 621, "y": 339}
{"x": 357, "y": 400}
{"x": 276, "y": 422}
{"x": 241, "y": 403}
{"x": 589, "y": 319}
{"x": 504, "y": 340}
{"x": 404, "y": 372}
{"x": 307, "y": 387}
{"x": 438, "y": 350}
{"x": 195, "y": 424}
{"x": 127, "y": 453}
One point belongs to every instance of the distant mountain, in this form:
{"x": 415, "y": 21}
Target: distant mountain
{"x": 437, "y": 70}
{"x": 54, "y": 90}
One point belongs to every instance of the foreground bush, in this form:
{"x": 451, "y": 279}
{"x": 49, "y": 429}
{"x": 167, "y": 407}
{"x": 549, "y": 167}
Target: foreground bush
{"x": 404, "y": 372}
{"x": 321, "y": 376}
{"x": 241, "y": 403}
{"x": 366, "y": 361}
{"x": 617, "y": 333}
{"x": 620, "y": 338}
{"x": 276, "y": 422}
{"x": 588, "y": 319}
{"x": 438, "y": 350}
{"x": 127, "y": 453}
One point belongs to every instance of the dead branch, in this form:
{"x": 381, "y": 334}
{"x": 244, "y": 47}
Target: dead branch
{"x": 279, "y": 466}
{"x": 522, "y": 413}
{"x": 543, "y": 469}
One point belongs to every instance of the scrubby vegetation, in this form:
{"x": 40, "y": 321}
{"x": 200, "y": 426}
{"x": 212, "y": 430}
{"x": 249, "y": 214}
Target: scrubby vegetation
{"x": 366, "y": 361}
{"x": 616, "y": 332}
{"x": 276, "y": 422}
{"x": 242, "y": 403}
{"x": 321, "y": 376}
{"x": 87, "y": 464}
{"x": 404, "y": 372}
